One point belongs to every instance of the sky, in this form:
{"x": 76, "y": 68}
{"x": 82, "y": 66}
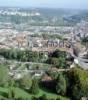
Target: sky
{"x": 74, "y": 4}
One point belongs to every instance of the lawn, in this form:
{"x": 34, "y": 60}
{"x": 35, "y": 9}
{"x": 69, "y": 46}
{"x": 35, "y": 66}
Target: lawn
{"x": 50, "y": 94}
{"x": 21, "y": 93}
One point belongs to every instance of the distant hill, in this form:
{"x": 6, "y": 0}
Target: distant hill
{"x": 47, "y": 16}
{"x": 77, "y": 17}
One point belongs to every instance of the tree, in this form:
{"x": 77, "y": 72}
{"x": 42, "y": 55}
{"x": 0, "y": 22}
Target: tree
{"x": 43, "y": 97}
{"x": 78, "y": 80}
{"x": 58, "y": 54}
{"x": 35, "y": 87}
{"x": 4, "y": 76}
{"x": 76, "y": 51}
{"x": 57, "y": 62}
{"x": 11, "y": 93}
{"x": 34, "y": 98}
{"x": 53, "y": 74}
{"x": 26, "y": 82}
{"x": 53, "y": 61}
{"x": 58, "y": 98}
{"x": 58, "y": 59}
{"x": 85, "y": 41}
{"x": 61, "y": 85}
{"x": 62, "y": 62}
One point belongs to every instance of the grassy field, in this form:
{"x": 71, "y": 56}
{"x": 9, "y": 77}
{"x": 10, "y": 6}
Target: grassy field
{"x": 21, "y": 93}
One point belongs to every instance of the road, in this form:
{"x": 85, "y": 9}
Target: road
{"x": 83, "y": 63}
{"x": 43, "y": 70}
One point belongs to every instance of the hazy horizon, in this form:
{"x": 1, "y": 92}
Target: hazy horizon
{"x": 69, "y": 4}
